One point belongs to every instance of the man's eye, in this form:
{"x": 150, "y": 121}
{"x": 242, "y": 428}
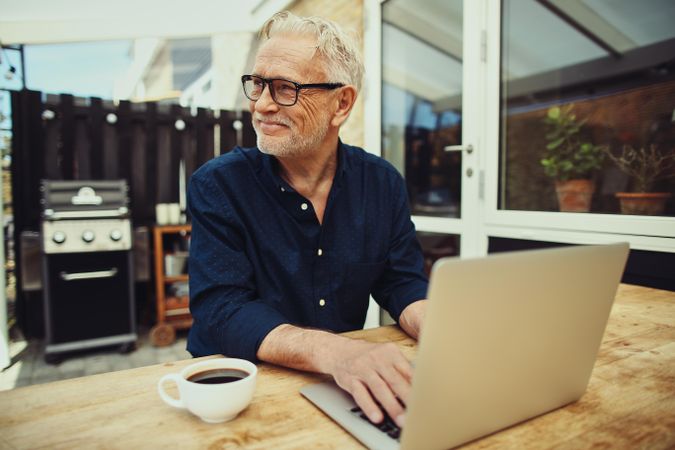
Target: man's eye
{"x": 285, "y": 88}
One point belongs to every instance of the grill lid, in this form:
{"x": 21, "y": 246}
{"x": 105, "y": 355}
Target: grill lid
{"x": 84, "y": 196}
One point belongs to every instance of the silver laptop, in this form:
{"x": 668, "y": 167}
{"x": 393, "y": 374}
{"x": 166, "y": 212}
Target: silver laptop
{"x": 507, "y": 337}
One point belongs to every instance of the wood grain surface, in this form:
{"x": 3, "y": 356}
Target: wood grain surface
{"x": 630, "y": 402}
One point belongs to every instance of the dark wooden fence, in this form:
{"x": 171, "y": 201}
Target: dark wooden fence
{"x": 67, "y": 138}
{"x": 61, "y": 137}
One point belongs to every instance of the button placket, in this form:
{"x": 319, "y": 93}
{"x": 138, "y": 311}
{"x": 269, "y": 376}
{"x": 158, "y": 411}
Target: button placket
{"x": 322, "y": 278}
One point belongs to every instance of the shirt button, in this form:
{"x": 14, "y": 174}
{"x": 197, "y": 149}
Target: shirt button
{"x": 319, "y": 252}
{"x": 322, "y": 302}
{"x": 304, "y": 206}
{"x": 283, "y": 189}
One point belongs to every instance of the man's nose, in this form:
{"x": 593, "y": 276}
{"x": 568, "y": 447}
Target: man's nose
{"x": 266, "y": 103}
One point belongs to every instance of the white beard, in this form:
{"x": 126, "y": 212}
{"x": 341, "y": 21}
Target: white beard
{"x": 294, "y": 144}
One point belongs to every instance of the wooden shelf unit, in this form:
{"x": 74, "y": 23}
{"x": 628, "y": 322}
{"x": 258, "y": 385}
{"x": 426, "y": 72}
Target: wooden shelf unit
{"x": 172, "y": 312}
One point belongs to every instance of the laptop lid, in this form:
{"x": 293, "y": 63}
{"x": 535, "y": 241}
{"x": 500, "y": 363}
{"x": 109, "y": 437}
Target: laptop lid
{"x": 508, "y": 337}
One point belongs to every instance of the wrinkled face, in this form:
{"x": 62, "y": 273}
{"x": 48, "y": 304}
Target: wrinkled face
{"x": 291, "y": 130}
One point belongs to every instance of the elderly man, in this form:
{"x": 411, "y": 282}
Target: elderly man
{"x": 290, "y": 239}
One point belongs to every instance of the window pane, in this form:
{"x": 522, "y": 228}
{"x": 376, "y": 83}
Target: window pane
{"x": 588, "y": 92}
{"x": 422, "y": 100}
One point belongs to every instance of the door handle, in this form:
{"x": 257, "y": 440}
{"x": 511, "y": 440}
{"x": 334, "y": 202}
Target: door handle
{"x": 88, "y": 275}
{"x": 459, "y": 148}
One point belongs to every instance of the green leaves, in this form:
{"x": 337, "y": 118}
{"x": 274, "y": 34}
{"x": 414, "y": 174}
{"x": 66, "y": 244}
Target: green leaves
{"x": 566, "y": 156}
{"x": 554, "y": 113}
{"x": 555, "y": 144}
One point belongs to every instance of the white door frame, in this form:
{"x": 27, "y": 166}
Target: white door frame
{"x": 4, "y": 332}
{"x": 372, "y": 111}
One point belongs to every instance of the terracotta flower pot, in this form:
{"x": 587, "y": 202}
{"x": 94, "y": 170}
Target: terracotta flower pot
{"x": 643, "y": 203}
{"x": 575, "y": 195}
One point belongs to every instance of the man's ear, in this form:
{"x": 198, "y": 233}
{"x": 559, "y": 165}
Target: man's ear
{"x": 345, "y": 102}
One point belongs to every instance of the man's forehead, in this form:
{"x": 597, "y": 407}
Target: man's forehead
{"x": 296, "y": 46}
{"x": 287, "y": 52}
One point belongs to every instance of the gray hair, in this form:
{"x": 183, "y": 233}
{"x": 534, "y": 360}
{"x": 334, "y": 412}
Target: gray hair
{"x": 340, "y": 49}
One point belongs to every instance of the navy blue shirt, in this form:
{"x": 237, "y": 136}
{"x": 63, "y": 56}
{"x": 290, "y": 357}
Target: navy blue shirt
{"x": 260, "y": 258}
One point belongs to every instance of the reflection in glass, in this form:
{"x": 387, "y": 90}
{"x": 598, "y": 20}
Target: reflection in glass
{"x": 436, "y": 246}
{"x": 611, "y": 65}
{"x": 422, "y": 101}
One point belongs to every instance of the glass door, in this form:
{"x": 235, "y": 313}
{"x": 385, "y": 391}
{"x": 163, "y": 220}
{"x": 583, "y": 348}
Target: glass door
{"x": 423, "y": 98}
{"x": 430, "y": 67}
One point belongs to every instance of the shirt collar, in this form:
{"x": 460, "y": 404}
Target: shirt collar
{"x": 270, "y": 166}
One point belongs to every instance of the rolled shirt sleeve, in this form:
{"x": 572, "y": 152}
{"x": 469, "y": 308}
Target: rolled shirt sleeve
{"x": 228, "y": 316}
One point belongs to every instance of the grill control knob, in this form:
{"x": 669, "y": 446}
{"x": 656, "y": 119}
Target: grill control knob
{"x": 59, "y": 237}
{"x": 88, "y": 236}
{"x": 115, "y": 235}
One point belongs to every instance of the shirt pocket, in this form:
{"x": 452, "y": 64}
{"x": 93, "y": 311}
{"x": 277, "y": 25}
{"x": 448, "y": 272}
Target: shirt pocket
{"x": 355, "y": 288}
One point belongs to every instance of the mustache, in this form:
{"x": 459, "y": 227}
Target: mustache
{"x": 276, "y": 118}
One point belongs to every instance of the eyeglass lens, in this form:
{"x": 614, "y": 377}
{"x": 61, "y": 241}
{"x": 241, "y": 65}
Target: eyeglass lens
{"x": 283, "y": 92}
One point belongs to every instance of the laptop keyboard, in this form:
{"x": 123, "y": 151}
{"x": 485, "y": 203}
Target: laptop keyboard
{"x": 387, "y": 426}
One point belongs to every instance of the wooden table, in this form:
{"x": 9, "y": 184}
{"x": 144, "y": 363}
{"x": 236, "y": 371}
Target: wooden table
{"x": 630, "y": 402}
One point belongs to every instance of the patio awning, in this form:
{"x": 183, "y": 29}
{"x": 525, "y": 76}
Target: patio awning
{"x": 46, "y": 22}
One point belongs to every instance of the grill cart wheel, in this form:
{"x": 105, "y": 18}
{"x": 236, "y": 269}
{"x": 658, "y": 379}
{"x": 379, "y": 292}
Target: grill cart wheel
{"x": 162, "y": 335}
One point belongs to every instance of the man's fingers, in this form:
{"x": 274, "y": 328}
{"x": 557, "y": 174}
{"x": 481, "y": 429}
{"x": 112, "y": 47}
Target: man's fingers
{"x": 385, "y": 396}
{"x": 404, "y": 367}
{"x": 378, "y": 376}
{"x": 397, "y": 359}
{"x": 396, "y": 372}
{"x": 398, "y": 384}
{"x": 363, "y": 398}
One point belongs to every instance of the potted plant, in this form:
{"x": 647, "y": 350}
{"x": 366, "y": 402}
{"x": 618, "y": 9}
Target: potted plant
{"x": 645, "y": 166}
{"x": 570, "y": 160}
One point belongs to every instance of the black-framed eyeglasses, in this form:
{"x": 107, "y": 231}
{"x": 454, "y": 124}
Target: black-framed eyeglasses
{"x": 284, "y": 92}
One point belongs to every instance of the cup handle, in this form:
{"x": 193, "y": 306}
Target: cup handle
{"x": 176, "y": 403}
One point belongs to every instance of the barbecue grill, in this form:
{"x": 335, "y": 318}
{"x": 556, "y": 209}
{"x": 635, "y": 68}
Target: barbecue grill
{"x": 87, "y": 266}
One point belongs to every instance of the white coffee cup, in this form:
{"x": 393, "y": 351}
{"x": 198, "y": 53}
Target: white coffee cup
{"x": 162, "y": 213}
{"x": 217, "y": 402}
{"x": 174, "y": 213}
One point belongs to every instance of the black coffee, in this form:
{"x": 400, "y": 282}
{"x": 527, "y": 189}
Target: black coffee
{"x": 218, "y": 376}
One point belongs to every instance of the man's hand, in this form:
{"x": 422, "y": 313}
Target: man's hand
{"x": 412, "y": 317}
{"x": 370, "y": 372}
{"x": 373, "y": 373}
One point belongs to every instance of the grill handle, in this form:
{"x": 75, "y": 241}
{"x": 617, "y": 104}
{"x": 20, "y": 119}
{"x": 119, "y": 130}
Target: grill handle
{"x": 88, "y": 275}
{"x": 50, "y": 214}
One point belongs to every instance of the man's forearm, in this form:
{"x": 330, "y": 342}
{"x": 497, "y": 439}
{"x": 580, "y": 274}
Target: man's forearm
{"x": 314, "y": 350}
{"x": 300, "y": 348}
